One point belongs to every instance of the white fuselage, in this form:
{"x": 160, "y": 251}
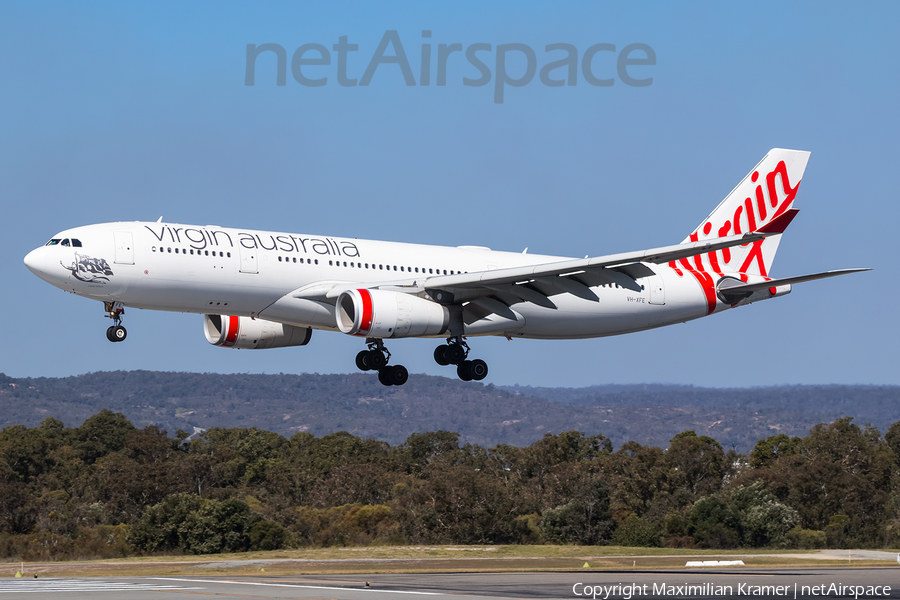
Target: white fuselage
{"x": 215, "y": 270}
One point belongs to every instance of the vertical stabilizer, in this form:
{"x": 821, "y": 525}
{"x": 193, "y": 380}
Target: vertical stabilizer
{"x": 765, "y": 193}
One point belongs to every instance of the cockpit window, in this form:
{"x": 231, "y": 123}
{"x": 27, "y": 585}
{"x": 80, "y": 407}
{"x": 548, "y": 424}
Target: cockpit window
{"x": 52, "y": 242}
{"x": 65, "y": 242}
{"x": 76, "y": 243}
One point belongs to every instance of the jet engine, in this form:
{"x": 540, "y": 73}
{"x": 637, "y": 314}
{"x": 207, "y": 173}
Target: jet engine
{"x": 383, "y": 314}
{"x": 248, "y": 333}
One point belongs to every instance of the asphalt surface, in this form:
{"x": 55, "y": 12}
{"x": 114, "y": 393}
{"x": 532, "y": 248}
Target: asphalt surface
{"x": 861, "y": 582}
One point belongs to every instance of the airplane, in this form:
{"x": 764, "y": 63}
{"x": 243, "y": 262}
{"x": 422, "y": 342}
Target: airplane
{"x": 261, "y": 289}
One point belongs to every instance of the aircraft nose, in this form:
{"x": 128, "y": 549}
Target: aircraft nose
{"x": 36, "y": 261}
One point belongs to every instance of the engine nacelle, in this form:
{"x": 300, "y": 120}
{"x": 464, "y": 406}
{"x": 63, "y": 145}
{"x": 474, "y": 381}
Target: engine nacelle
{"x": 252, "y": 334}
{"x": 382, "y": 314}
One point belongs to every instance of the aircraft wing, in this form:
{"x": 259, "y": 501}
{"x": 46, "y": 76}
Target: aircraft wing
{"x": 535, "y": 283}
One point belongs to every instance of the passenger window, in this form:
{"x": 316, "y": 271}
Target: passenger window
{"x": 170, "y": 250}
{"x": 76, "y": 243}
{"x": 176, "y": 250}
{"x": 317, "y": 261}
{"x": 417, "y": 269}
{"x": 207, "y": 253}
{"x": 395, "y": 267}
{"x": 65, "y": 242}
{"x": 229, "y": 254}
{"x": 279, "y": 259}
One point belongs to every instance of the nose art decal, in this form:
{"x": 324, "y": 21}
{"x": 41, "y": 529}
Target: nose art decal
{"x": 89, "y": 270}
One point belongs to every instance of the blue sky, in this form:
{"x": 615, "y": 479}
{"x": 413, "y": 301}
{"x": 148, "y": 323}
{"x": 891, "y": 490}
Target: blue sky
{"x": 130, "y": 111}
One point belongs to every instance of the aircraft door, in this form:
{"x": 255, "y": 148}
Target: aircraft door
{"x": 249, "y": 260}
{"x": 657, "y": 290}
{"x": 124, "y": 247}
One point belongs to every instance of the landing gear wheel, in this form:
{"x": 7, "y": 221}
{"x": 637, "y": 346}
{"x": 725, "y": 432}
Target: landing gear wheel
{"x": 116, "y": 333}
{"x": 393, "y": 375}
{"x": 377, "y": 359}
{"x": 464, "y": 371}
{"x": 114, "y": 311}
{"x": 478, "y": 369}
{"x": 362, "y": 361}
{"x": 456, "y": 354}
{"x": 397, "y": 374}
{"x": 440, "y": 355}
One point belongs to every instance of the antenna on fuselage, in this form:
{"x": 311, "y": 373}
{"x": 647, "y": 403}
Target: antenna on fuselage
{"x": 159, "y": 220}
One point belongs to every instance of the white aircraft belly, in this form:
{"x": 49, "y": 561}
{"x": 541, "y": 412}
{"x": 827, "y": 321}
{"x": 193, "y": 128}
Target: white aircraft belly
{"x": 619, "y": 311}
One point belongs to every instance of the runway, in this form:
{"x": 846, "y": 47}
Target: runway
{"x": 865, "y": 582}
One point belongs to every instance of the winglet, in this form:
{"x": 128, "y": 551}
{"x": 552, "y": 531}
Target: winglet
{"x": 779, "y": 223}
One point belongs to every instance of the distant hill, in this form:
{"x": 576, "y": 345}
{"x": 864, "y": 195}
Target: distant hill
{"x": 483, "y": 414}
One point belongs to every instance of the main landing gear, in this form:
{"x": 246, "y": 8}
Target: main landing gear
{"x": 455, "y": 352}
{"x": 114, "y": 311}
{"x": 376, "y": 359}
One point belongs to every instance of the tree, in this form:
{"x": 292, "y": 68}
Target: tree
{"x": 695, "y": 463}
{"x": 838, "y": 469}
{"x": 267, "y": 535}
{"x": 636, "y": 532}
{"x": 586, "y": 519}
{"x": 766, "y": 451}
{"x": 18, "y": 511}
{"x": 158, "y": 528}
{"x": 101, "y": 434}
{"x": 640, "y": 482}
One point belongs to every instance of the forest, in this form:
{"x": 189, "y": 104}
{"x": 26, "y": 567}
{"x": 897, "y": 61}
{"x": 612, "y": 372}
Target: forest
{"x": 108, "y": 489}
{"x": 482, "y": 414}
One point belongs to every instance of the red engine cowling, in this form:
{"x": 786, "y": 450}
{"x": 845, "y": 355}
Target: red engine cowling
{"x": 382, "y": 314}
{"x": 252, "y": 334}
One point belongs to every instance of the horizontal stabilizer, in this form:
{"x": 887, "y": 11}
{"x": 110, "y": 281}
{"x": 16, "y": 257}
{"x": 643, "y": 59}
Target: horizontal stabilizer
{"x": 733, "y": 290}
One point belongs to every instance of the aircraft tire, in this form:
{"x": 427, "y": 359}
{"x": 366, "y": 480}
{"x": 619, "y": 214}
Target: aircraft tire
{"x": 384, "y": 376}
{"x": 464, "y": 370}
{"x": 119, "y": 333}
{"x": 440, "y": 355}
{"x": 399, "y": 375}
{"x": 109, "y": 333}
{"x": 456, "y": 354}
{"x": 362, "y": 361}
{"x": 376, "y": 359}
{"x": 478, "y": 369}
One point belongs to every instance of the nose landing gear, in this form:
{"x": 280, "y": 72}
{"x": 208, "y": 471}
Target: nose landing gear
{"x": 114, "y": 311}
{"x": 376, "y": 359}
{"x": 456, "y": 352}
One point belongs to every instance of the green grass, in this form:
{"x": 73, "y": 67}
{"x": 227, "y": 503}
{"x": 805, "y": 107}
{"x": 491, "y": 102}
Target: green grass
{"x": 408, "y": 559}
